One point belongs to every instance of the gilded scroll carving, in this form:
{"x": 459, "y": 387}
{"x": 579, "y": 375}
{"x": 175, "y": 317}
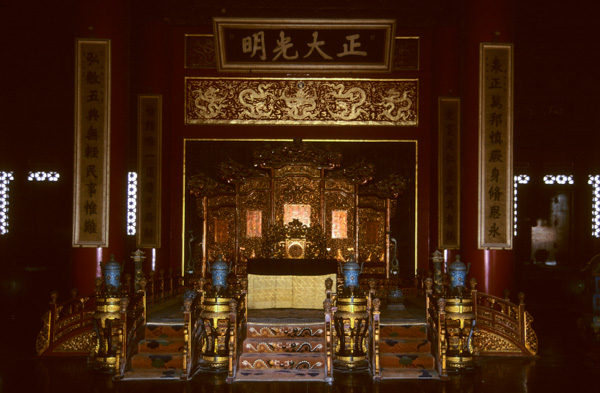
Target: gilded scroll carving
{"x": 531, "y": 340}
{"x": 305, "y": 101}
{"x": 486, "y": 342}
{"x": 43, "y": 338}
{"x": 80, "y": 343}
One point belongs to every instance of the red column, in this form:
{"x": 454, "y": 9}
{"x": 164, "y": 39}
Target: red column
{"x": 485, "y": 21}
{"x": 108, "y": 19}
{"x": 151, "y": 48}
{"x": 447, "y": 52}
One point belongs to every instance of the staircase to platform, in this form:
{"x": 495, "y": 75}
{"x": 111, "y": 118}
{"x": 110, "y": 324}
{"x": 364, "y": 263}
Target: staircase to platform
{"x": 404, "y": 349}
{"x": 283, "y": 345}
{"x": 161, "y": 351}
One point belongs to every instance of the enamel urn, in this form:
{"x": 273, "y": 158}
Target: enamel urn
{"x": 112, "y": 275}
{"x": 351, "y": 270}
{"x": 219, "y": 271}
{"x": 458, "y": 273}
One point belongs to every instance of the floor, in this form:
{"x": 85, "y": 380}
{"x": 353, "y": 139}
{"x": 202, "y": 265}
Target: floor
{"x": 564, "y": 364}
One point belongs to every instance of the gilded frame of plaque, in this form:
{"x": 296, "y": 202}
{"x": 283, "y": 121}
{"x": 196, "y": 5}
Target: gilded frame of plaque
{"x": 266, "y": 41}
{"x": 92, "y": 142}
{"x": 495, "y": 221}
{"x": 449, "y": 172}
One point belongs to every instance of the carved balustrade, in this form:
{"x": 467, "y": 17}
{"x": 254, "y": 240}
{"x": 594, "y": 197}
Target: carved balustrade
{"x": 66, "y": 328}
{"x": 192, "y": 308}
{"x": 131, "y": 325}
{"x": 436, "y": 319}
{"x": 163, "y": 286}
{"x": 502, "y": 327}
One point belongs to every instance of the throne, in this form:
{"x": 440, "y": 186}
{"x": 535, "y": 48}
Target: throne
{"x": 294, "y": 273}
{"x": 296, "y": 212}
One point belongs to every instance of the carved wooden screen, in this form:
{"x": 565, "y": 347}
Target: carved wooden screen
{"x": 240, "y": 208}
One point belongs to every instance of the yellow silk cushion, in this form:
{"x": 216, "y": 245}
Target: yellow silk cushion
{"x": 287, "y": 291}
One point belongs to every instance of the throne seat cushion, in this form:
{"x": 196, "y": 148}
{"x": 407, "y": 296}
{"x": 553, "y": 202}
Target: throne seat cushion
{"x": 287, "y": 291}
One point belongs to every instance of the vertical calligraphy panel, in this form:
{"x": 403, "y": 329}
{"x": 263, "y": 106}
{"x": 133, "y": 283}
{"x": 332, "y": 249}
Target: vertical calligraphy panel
{"x": 92, "y": 143}
{"x": 495, "y": 146}
{"x": 449, "y": 172}
{"x": 149, "y": 169}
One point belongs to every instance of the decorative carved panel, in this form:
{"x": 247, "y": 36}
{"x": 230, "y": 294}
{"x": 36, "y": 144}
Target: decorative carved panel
{"x": 242, "y": 208}
{"x": 301, "y": 101}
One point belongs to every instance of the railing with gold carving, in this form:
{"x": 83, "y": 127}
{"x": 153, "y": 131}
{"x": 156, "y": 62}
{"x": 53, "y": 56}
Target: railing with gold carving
{"x": 503, "y": 328}
{"x": 66, "y": 328}
{"x": 163, "y": 286}
{"x": 131, "y": 327}
{"x": 237, "y": 320}
{"x": 436, "y": 333}
{"x": 500, "y": 327}
{"x": 192, "y": 308}
{"x": 375, "y": 336}
{"x": 328, "y": 311}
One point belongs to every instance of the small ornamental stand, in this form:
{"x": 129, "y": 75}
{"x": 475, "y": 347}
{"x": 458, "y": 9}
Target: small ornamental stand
{"x": 351, "y": 323}
{"x": 216, "y": 322}
{"x": 106, "y": 321}
{"x": 460, "y": 319}
{"x": 215, "y": 338}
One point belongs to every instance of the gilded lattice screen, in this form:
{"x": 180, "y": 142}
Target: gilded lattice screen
{"x": 235, "y": 206}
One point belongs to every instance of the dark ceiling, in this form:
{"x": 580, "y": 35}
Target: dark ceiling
{"x": 557, "y": 93}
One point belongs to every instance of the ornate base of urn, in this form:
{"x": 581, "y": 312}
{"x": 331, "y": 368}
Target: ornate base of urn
{"x": 459, "y": 330}
{"x": 351, "y": 322}
{"x": 106, "y": 323}
{"x": 215, "y": 337}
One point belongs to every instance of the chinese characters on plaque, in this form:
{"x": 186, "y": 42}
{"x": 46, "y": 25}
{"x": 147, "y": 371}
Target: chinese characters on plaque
{"x": 92, "y": 143}
{"x": 149, "y": 169}
{"x": 304, "y": 44}
{"x": 449, "y": 172}
{"x": 495, "y": 150}
{"x": 200, "y": 52}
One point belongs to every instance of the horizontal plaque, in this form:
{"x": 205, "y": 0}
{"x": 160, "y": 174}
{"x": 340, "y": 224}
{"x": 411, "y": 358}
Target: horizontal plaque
{"x": 250, "y": 44}
{"x": 391, "y": 102}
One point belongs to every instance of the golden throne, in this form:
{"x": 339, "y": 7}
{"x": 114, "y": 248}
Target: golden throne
{"x": 296, "y": 205}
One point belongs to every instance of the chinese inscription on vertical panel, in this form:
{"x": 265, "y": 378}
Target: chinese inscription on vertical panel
{"x": 449, "y": 172}
{"x": 92, "y": 141}
{"x": 495, "y": 151}
{"x": 149, "y": 169}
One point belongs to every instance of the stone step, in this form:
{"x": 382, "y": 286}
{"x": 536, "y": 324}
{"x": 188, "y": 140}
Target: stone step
{"x": 284, "y": 345}
{"x": 156, "y": 331}
{"x": 157, "y": 361}
{"x": 162, "y": 345}
{"x": 282, "y": 361}
{"x": 147, "y": 373}
{"x": 404, "y": 345}
{"x": 266, "y": 375}
{"x": 255, "y": 330}
{"x": 409, "y": 373}
{"x": 406, "y": 360}
{"x": 403, "y": 331}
